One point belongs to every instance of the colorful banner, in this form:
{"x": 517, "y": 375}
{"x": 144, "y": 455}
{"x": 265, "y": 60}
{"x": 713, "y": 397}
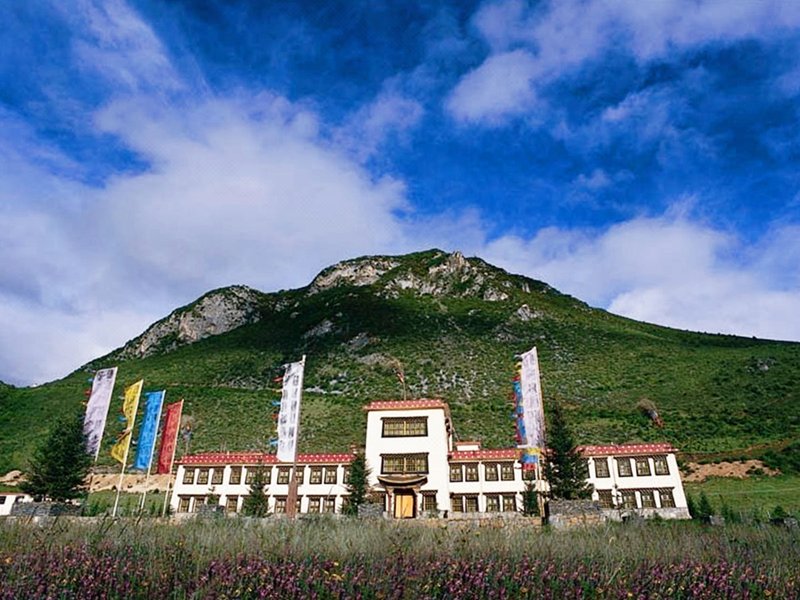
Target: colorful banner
{"x": 289, "y": 416}
{"x": 169, "y": 437}
{"x": 97, "y": 408}
{"x": 130, "y": 404}
{"x": 530, "y": 412}
{"x": 148, "y": 430}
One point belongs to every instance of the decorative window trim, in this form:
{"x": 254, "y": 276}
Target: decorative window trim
{"x": 404, "y": 427}
{"x": 601, "y": 470}
{"x": 399, "y": 464}
{"x": 627, "y": 471}
{"x": 661, "y": 464}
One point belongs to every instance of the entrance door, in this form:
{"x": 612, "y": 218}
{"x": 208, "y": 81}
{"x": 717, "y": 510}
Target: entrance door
{"x": 404, "y": 504}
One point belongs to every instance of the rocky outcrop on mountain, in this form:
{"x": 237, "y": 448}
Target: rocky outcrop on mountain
{"x": 358, "y": 272}
{"x": 217, "y": 312}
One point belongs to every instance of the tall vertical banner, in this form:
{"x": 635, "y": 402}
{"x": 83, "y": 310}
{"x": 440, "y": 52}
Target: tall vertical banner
{"x": 148, "y": 430}
{"x": 94, "y": 423}
{"x": 532, "y": 411}
{"x": 130, "y": 404}
{"x": 169, "y": 437}
{"x": 289, "y": 415}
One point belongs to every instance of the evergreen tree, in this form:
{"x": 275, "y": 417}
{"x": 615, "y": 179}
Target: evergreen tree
{"x": 530, "y": 499}
{"x": 358, "y": 484}
{"x": 704, "y": 509}
{"x": 565, "y": 469}
{"x": 58, "y": 469}
{"x": 256, "y": 503}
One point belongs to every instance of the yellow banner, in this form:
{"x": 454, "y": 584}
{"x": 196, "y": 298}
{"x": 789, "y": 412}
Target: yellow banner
{"x": 129, "y": 406}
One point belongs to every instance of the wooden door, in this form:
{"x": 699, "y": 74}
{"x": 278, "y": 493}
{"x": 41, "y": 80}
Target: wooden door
{"x": 404, "y": 505}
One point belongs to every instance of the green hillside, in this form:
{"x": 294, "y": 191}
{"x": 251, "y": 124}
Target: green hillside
{"x": 454, "y": 326}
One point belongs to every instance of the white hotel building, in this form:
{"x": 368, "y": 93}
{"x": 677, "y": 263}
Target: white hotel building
{"x": 418, "y": 469}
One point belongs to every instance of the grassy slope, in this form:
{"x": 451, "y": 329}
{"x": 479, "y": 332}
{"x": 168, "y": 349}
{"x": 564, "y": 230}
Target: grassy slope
{"x": 715, "y": 393}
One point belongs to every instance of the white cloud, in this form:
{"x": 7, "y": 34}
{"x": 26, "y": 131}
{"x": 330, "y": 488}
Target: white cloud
{"x": 558, "y": 37}
{"x": 500, "y": 87}
{"x": 669, "y": 271}
{"x": 389, "y": 115}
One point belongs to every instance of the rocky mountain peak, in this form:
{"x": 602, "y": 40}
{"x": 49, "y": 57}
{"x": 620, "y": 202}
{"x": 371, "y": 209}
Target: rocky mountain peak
{"x": 219, "y": 311}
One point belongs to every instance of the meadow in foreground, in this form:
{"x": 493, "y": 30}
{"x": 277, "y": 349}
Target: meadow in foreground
{"x": 332, "y": 558}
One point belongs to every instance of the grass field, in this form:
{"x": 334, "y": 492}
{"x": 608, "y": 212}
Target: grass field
{"x": 760, "y": 494}
{"x": 340, "y": 558}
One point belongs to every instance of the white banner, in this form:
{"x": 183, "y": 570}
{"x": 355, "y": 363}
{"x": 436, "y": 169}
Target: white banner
{"x": 97, "y": 408}
{"x": 289, "y": 416}
{"x": 533, "y": 411}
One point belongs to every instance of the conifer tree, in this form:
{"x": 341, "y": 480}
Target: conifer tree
{"x": 565, "y": 469}
{"x": 358, "y": 484}
{"x": 530, "y": 499}
{"x": 58, "y": 469}
{"x": 256, "y": 503}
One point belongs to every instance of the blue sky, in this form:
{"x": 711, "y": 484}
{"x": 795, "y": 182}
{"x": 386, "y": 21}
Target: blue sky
{"x": 639, "y": 155}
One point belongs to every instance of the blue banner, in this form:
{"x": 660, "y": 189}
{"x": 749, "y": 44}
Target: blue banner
{"x": 148, "y": 430}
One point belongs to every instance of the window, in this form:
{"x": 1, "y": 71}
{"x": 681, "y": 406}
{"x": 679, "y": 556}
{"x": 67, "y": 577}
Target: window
{"x": 404, "y": 463}
{"x": 235, "y": 476}
{"x": 329, "y": 505}
{"x": 231, "y": 504}
{"x": 648, "y": 501}
{"x": 301, "y": 471}
{"x": 280, "y": 504}
{"x": 316, "y": 476}
{"x": 183, "y": 503}
{"x": 346, "y": 478}
{"x": 624, "y": 467}
{"x": 492, "y": 503}
{"x": 490, "y": 471}
{"x": 283, "y": 475}
{"x": 251, "y": 475}
{"x": 429, "y": 501}
{"x": 188, "y": 476}
{"x": 642, "y": 466}
{"x": 667, "y": 499}
{"x": 3, "y": 499}
{"x": 202, "y": 477}
{"x": 405, "y": 426}
{"x": 331, "y": 475}
{"x": 471, "y": 472}
{"x": 605, "y": 498}
{"x": 456, "y": 473}
{"x": 314, "y": 504}
{"x": 629, "y": 499}
{"x": 509, "y": 504}
{"x": 465, "y": 503}
{"x": 216, "y": 476}
{"x": 661, "y": 465}
{"x": 470, "y": 503}
{"x": 601, "y": 467}
{"x": 507, "y": 471}
{"x": 198, "y": 502}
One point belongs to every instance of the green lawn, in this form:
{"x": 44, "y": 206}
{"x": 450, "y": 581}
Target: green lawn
{"x": 761, "y": 494}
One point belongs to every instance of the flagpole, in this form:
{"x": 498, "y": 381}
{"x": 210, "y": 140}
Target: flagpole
{"x": 152, "y": 449}
{"x": 171, "y": 463}
{"x": 291, "y": 498}
{"x": 125, "y": 457}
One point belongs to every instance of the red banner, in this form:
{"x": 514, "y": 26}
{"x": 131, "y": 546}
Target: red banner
{"x": 169, "y": 437}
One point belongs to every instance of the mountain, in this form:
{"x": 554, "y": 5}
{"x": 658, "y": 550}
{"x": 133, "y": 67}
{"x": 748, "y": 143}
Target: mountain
{"x": 453, "y": 326}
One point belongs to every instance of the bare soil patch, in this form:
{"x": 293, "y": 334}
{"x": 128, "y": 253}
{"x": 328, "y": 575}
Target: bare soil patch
{"x": 742, "y": 469}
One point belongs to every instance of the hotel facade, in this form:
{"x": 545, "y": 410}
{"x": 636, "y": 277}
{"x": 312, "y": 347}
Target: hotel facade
{"x": 418, "y": 469}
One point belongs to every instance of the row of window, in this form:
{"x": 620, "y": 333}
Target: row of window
{"x": 317, "y": 475}
{"x": 493, "y": 502}
{"x": 644, "y": 498}
{"x": 495, "y": 471}
{"x": 315, "y": 504}
{"x": 640, "y": 463}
